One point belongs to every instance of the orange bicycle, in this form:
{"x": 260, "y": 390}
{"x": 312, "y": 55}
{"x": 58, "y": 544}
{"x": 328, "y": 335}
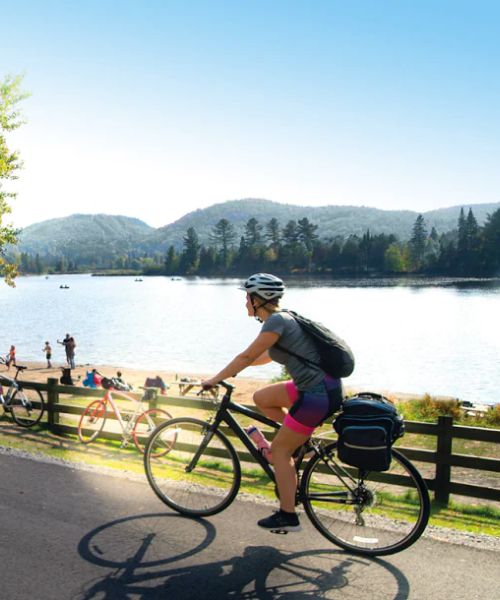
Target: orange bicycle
{"x": 136, "y": 425}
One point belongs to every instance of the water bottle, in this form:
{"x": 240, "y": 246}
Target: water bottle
{"x": 260, "y": 441}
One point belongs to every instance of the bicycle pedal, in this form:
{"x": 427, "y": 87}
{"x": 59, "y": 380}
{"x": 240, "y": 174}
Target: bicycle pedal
{"x": 279, "y": 531}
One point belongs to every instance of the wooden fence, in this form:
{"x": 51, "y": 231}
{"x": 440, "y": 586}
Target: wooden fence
{"x": 443, "y": 457}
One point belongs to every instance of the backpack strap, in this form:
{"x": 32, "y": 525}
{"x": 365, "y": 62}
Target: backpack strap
{"x": 311, "y": 363}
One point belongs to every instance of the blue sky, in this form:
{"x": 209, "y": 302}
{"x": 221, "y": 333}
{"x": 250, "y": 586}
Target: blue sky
{"x": 153, "y": 109}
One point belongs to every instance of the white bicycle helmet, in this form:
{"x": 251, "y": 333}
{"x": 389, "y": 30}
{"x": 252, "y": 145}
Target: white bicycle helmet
{"x": 264, "y": 285}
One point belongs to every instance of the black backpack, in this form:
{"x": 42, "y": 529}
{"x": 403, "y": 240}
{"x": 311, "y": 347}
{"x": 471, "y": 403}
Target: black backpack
{"x": 66, "y": 378}
{"x": 336, "y": 358}
{"x": 367, "y": 428}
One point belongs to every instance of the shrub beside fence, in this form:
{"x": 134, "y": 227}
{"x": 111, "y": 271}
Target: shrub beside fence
{"x": 443, "y": 457}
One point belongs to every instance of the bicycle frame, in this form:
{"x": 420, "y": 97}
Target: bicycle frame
{"x": 125, "y": 425}
{"x": 6, "y": 398}
{"x": 223, "y": 415}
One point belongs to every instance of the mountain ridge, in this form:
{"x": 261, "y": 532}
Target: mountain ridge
{"x": 117, "y": 233}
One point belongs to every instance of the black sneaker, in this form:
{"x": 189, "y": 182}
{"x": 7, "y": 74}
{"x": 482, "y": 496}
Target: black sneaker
{"x": 281, "y": 522}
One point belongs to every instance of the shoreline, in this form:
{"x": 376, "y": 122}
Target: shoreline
{"x": 244, "y": 386}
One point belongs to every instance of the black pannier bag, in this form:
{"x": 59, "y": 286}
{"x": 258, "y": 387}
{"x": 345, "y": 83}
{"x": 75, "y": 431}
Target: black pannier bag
{"x": 367, "y": 428}
{"x": 336, "y": 358}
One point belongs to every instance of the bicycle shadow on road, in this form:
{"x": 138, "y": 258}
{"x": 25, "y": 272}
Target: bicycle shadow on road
{"x": 139, "y": 553}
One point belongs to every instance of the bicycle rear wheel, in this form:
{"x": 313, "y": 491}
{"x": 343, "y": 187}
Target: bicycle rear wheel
{"x": 372, "y": 513}
{"x": 200, "y": 475}
{"x": 27, "y": 407}
{"x": 92, "y": 421}
{"x": 146, "y": 422}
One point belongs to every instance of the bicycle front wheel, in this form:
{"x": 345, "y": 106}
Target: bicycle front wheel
{"x": 27, "y": 407}
{"x": 146, "y": 422}
{"x": 372, "y": 513}
{"x": 199, "y": 475}
{"x": 92, "y": 421}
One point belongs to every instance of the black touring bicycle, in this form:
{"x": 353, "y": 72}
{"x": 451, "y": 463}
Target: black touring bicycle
{"x": 194, "y": 469}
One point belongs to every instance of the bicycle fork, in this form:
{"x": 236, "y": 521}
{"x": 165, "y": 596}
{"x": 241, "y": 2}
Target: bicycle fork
{"x": 209, "y": 433}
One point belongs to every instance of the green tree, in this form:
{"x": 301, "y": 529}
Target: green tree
{"x": 171, "y": 262}
{"x": 394, "y": 261}
{"x": 418, "y": 241}
{"x": 208, "y": 261}
{"x": 272, "y": 233}
{"x": 10, "y": 119}
{"x": 307, "y": 233}
{"x": 253, "y": 233}
{"x": 223, "y": 236}
{"x": 491, "y": 244}
{"x": 191, "y": 254}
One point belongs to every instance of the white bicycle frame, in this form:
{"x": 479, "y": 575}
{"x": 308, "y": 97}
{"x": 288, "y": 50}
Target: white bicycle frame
{"x": 126, "y": 425}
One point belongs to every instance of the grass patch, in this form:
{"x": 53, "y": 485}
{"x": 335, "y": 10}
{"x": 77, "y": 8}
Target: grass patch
{"x": 465, "y": 517}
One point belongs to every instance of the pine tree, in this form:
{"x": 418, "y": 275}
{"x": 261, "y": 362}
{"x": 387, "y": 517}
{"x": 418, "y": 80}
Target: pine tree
{"x": 418, "y": 241}
{"x": 190, "y": 256}
{"x": 171, "y": 262}
{"x": 272, "y": 234}
{"x": 253, "y": 235}
{"x": 223, "y": 236}
{"x": 307, "y": 233}
{"x": 491, "y": 245}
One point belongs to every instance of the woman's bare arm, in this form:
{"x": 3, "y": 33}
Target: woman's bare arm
{"x": 248, "y": 357}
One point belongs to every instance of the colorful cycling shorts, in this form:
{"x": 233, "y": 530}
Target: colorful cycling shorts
{"x": 312, "y": 407}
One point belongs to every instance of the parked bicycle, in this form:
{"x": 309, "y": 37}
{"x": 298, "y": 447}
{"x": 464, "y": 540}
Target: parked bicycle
{"x": 136, "y": 425}
{"x": 25, "y": 406}
{"x": 194, "y": 469}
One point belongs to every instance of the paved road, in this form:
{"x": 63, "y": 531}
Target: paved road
{"x": 72, "y": 534}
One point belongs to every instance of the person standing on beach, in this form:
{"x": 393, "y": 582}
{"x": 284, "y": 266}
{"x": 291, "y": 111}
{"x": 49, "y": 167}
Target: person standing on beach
{"x": 48, "y": 354}
{"x": 69, "y": 346}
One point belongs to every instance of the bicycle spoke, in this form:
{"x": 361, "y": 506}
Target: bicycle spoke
{"x": 381, "y": 514}
{"x": 199, "y": 474}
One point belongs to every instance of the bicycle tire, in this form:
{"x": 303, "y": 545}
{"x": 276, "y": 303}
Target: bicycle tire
{"x": 92, "y": 421}
{"x": 214, "y": 479}
{"x": 27, "y": 407}
{"x": 369, "y": 515}
{"x": 145, "y": 424}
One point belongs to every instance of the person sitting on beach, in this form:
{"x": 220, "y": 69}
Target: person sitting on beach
{"x": 48, "y": 354}
{"x": 93, "y": 379}
{"x": 11, "y": 357}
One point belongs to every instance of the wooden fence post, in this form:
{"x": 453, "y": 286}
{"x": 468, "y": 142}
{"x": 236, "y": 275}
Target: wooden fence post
{"x": 153, "y": 401}
{"x": 52, "y": 400}
{"x": 443, "y": 468}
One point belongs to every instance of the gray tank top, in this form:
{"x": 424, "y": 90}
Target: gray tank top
{"x": 304, "y": 375}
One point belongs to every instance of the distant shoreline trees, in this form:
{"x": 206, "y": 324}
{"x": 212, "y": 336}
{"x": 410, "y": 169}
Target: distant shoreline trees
{"x": 295, "y": 248}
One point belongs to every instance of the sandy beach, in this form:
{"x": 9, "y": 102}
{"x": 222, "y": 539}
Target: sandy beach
{"x": 37, "y": 371}
{"x": 245, "y": 386}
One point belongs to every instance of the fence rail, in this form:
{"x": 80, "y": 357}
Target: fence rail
{"x": 444, "y": 430}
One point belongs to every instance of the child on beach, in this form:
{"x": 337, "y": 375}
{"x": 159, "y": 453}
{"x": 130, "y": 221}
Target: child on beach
{"x": 11, "y": 357}
{"x": 48, "y": 354}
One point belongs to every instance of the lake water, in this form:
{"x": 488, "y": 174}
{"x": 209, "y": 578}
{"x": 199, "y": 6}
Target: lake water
{"x": 441, "y": 340}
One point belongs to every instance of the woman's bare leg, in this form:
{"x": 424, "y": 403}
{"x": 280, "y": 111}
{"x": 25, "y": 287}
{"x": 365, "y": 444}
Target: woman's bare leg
{"x": 283, "y": 446}
{"x": 273, "y": 401}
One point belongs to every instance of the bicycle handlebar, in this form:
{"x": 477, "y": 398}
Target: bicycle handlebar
{"x": 227, "y": 386}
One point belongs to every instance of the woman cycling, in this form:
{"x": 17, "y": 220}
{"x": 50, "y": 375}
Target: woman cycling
{"x": 301, "y": 404}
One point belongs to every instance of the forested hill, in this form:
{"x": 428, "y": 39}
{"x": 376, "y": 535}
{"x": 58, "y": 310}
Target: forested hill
{"x": 82, "y": 238}
{"x": 332, "y": 221}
